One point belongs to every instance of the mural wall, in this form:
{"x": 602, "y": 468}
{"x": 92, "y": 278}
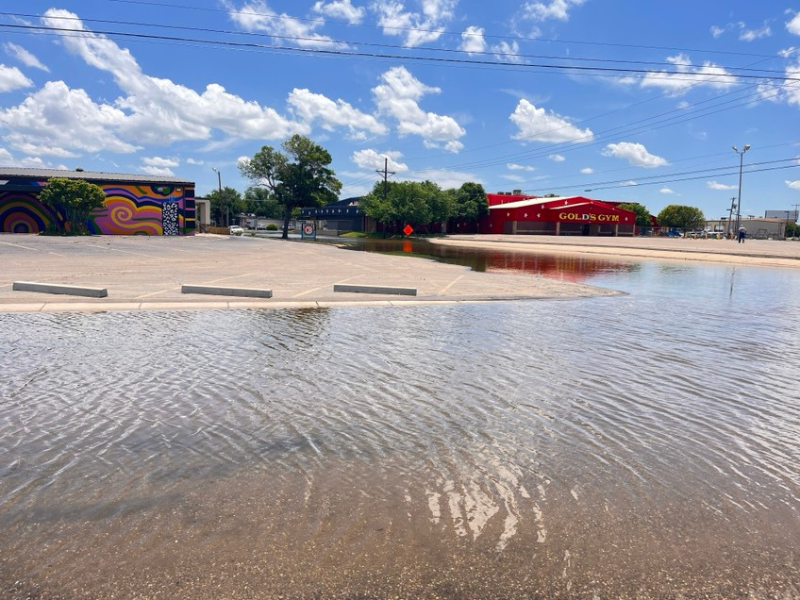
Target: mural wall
{"x": 129, "y": 210}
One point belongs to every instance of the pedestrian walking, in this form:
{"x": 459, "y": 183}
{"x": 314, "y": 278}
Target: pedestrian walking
{"x": 742, "y": 234}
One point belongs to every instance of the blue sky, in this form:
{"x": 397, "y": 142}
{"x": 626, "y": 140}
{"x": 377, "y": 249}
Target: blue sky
{"x": 636, "y": 101}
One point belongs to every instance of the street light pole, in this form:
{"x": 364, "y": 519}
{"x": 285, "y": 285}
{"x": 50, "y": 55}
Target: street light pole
{"x": 219, "y": 183}
{"x": 745, "y": 148}
{"x": 730, "y": 216}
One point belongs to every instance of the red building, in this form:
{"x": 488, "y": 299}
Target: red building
{"x": 573, "y": 215}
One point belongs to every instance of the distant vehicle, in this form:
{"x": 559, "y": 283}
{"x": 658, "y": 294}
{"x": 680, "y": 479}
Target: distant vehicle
{"x": 235, "y": 230}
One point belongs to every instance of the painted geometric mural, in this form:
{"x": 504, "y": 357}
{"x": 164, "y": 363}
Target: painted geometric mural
{"x": 129, "y": 210}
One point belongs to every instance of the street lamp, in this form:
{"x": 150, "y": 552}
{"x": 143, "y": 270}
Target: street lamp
{"x": 219, "y": 182}
{"x": 745, "y": 148}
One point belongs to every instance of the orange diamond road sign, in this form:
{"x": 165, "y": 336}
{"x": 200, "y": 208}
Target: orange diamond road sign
{"x": 408, "y": 230}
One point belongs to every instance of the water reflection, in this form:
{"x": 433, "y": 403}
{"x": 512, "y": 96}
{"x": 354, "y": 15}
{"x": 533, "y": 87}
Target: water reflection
{"x": 557, "y": 266}
{"x": 645, "y": 445}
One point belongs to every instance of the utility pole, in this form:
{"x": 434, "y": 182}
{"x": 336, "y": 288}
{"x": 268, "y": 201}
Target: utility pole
{"x": 730, "y": 216}
{"x": 744, "y": 149}
{"x": 386, "y": 172}
{"x": 219, "y": 182}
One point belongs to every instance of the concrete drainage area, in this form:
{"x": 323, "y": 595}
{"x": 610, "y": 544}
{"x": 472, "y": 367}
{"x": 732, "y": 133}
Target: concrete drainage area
{"x": 92, "y": 292}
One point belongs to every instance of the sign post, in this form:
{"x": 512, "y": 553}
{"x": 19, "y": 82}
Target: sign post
{"x": 309, "y": 230}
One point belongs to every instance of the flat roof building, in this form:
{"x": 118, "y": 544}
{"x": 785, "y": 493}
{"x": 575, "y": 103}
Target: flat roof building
{"x": 564, "y": 215}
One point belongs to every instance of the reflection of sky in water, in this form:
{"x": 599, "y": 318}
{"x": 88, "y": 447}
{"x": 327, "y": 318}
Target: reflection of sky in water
{"x": 527, "y": 429}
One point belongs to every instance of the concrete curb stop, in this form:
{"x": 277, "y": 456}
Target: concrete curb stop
{"x": 374, "y": 289}
{"x": 225, "y": 291}
{"x": 54, "y": 288}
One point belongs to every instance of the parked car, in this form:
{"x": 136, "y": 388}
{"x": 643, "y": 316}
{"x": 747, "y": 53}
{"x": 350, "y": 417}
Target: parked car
{"x": 235, "y": 230}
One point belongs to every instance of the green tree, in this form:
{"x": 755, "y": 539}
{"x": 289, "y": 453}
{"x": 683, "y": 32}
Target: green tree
{"x": 259, "y": 201}
{"x": 300, "y": 177}
{"x": 225, "y": 205}
{"x": 470, "y": 202}
{"x": 642, "y": 214}
{"x": 418, "y": 203}
{"x": 75, "y": 199}
{"x": 682, "y": 217}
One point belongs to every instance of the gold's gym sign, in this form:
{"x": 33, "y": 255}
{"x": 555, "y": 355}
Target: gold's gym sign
{"x": 573, "y": 216}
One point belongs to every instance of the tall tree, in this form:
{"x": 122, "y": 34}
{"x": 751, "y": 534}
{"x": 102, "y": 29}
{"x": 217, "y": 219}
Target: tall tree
{"x": 75, "y": 199}
{"x": 225, "y": 204}
{"x": 470, "y": 202}
{"x": 300, "y": 177}
{"x": 682, "y": 217}
{"x": 259, "y": 201}
{"x": 642, "y": 214}
{"x": 418, "y": 203}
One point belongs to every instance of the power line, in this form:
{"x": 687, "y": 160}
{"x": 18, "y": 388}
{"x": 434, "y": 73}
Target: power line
{"x": 348, "y": 43}
{"x": 432, "y": 59}
{"x": 518, "y": 38}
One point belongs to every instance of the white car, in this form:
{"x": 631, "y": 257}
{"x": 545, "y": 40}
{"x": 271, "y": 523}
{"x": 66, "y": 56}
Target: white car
{"x": 235, "y": 230}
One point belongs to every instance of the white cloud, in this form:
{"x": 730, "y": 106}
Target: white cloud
{"x": 795, "y": 185}
{"x": 556, "y": 158}
{"x": 398, "y": 96}
{"x": 163, "y": 171}
{"x": 630, "y": 183}
{"x": 556, "y": 9}
{"x": 686, "y": 76}
{"x": 587, "y": 171}
{"x": 30, "y": 162}
{"x": 415, "y": 28}
{"x": 750, "y": 35}
{"x": 60, "y": 118}
{"x": 515, "y": 178}
{"x": 666, "y": 191}
{"x": 316, "y": 107}
{"x": 258, "y": 16}
{"x": 536, "y": 124}
{"x": 793, "y": 25}
{"x": 376, "y": 161}
{"x": 636, "y": 155}
{"x": 717, "y": 31}
{"x": 472, "y": 41}
{"x": 158, "y": 111}
{"x": 11, "y": 78}
{"x": 516, "y": 167}
{"x": 719, "y": 186}
{"x": 444, "y": 178}
{"x": 341, "y": 9}
{"x": 23, "y": 56}
{"x": 194, "y": 161}
{"x": 507, "y": 52}
{"x": 157, "y": 161}
{"x": 787, "y": 91}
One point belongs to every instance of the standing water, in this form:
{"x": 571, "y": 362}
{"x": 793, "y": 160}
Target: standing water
{"x": 645, "y": 445}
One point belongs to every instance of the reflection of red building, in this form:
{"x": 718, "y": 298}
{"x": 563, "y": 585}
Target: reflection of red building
{"x": 573, "y": 215}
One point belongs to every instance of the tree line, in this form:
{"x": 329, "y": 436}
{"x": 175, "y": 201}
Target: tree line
{"x": 299, "y": 175}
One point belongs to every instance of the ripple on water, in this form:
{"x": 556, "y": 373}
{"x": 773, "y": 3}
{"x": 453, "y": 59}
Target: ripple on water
{"x": 528, "y": 430}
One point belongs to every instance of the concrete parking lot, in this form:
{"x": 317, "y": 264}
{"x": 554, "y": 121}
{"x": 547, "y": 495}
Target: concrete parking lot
{"x": 147, "y": 273}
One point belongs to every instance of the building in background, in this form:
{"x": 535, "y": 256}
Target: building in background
{"x": 760, "y": 228}
{"x": 337, "y": 217}
{"x": 135, "y": 204}
{"x": 571, "y": 215}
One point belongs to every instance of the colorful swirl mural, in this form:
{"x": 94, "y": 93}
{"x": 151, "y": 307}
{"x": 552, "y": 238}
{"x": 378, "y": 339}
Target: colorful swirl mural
{"x": 133, "y": 210}
{"x": 21, "y": 212}
{"x": 129, "y": 210}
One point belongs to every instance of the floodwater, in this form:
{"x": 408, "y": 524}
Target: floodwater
{"x": 636, "y": 446}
